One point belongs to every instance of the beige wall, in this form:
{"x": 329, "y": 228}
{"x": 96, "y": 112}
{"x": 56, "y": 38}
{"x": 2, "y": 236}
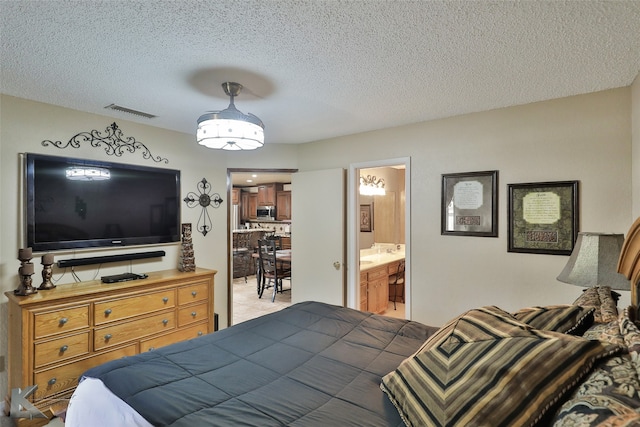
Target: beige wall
{"x": 18, "y": 134}
{"x": 585, "y": 138}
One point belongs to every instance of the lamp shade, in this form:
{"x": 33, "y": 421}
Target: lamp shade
{"x": 594, "y": 262}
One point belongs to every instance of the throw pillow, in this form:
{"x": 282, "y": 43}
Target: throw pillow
{"x": 485, "y": 368}
{"x": 603, "y": 299}
{"x": 570, "y": 319}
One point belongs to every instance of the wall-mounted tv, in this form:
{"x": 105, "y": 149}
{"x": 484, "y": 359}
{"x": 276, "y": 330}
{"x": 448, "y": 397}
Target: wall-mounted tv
{"x": 77, "y": 203}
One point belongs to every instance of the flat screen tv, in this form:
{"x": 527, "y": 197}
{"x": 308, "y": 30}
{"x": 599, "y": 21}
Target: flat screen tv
{"x": 76, "y": 203}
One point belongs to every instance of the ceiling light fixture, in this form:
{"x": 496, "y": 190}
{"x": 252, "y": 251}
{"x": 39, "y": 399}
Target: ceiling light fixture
{"x": 372, "y": 186}
{"x": 230, "y": 129}
{"x": 84, "y": 173}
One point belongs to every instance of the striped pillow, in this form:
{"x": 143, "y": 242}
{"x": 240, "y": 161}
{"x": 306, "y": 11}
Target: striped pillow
{"x": 485, "y": 368}
{"x": 569, "y": 319}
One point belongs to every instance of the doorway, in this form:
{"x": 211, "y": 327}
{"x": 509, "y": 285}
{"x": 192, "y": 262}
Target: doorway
{"x": 247, "y": 305}
{"x": 379, "y": 231}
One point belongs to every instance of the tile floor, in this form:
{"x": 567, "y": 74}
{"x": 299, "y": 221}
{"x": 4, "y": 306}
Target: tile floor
{"x": 247, "y": 305}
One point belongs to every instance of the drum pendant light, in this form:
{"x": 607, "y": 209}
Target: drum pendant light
{"x": 230, "y": 129}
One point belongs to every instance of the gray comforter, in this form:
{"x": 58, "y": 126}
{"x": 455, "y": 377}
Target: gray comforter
{"x": 311, "y": 364}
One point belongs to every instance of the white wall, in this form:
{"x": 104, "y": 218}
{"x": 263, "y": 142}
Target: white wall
{"x": 585, "y": 138}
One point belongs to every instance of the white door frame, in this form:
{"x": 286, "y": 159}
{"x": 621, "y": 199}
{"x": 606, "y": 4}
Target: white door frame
{"x": 353, "y": 229}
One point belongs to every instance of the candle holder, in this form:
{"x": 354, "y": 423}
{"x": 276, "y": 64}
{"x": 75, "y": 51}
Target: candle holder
{"x": 47, "y": 272}
{"x": 25, "y": 272}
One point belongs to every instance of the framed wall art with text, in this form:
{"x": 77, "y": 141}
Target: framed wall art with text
{"x": 470, "y": 204}
{"x": 543, "y": 217}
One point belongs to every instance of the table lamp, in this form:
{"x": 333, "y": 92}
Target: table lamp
{"x": 594, "y": 262}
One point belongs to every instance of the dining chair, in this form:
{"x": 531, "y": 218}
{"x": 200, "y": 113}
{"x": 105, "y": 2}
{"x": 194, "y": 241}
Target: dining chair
{"x": 276, "y": 238}
{"x": 396, "y": 281}
{"x": 273, "y": 271}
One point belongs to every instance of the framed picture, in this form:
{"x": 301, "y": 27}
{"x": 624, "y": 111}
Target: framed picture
{"x": 470, "y": 204}
{"x": 366, "y": 218}
{"x": 543, "y": 217}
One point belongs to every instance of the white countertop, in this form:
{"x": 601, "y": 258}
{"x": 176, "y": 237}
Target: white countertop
{"x": 367, "y": 262}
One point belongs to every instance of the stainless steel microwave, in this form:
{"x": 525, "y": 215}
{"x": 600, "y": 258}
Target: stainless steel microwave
{"x": 267, "y": 213}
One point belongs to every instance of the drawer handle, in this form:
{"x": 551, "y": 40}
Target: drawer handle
{"x": 107, "y": 337}
{"x": 193, "y": 314}
{"x": 165, "y": 300}
{"x": 165, "y": 321}
{"x": 52, "y": 381}
{"x": 199, "y": 333}
{"x": 107, "y": 312}
{"x": 64, "y": 348}
{"x": 194, "y": 293}
{"x": 63, "y": 320}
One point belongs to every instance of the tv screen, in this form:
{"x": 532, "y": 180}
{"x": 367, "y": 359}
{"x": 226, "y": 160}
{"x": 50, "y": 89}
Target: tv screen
{"x": 75, "y": 203}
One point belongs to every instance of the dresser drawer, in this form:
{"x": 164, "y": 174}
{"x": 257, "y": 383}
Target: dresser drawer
{"x": 66, "y": 377}
{"x": 135, "y": 329}
{"x": 60, "y": 349}
{"x": 123, "y": 308}
{"x": 193, "y": 293}
{"x": 178, "y": 335}
{"x": 377, "y": 273}
{"x": 193, "y": 313}
{"x": 60, "y": 321}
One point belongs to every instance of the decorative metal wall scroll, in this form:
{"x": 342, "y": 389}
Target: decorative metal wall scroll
{"x": 114, "y": 143}
{"x": 204, "y": 199}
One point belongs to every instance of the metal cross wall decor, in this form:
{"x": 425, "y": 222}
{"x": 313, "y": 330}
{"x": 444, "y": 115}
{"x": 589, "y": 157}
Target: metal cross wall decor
{"x": 204, "y": 199}
{"x": 114, "y": 142}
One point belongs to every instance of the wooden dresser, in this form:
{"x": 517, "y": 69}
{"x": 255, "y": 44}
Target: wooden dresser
{"x": 56, "y": 335}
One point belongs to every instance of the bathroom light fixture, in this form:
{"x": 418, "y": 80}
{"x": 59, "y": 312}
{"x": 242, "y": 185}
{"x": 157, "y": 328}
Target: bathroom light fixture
{"x": 83, "y": 173}
{"x": 372, "y": 186}
{"x": 230, "y": 129}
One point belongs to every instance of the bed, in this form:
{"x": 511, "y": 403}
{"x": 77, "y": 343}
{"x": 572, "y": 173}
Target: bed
{"x": 309, "y": 364}
{"x": 314, "y": 364}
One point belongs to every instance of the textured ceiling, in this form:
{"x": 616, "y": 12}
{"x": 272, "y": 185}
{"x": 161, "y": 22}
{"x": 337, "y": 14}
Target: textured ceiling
{"x": 314, "y": 69}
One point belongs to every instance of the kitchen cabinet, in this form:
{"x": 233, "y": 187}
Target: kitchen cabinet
{"x": 235, "y": 196}
{"x": 56, "y": 335}
{"x": 244, "y": 205}
{"x": 267, "y": 194}
{"x": 252, "y": 206}
{"x": 283, "y": 205}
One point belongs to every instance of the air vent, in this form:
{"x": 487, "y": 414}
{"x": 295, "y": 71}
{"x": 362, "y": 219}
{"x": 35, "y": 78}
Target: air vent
{"x": 130, "y": 111}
